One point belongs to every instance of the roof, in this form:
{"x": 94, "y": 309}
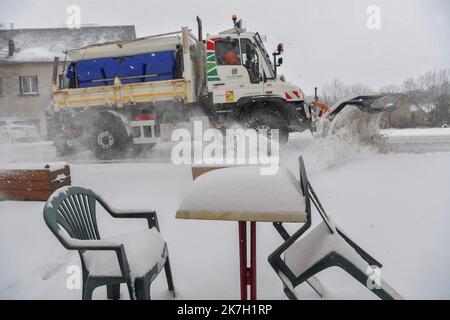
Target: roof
{"x": 40, "y": 45}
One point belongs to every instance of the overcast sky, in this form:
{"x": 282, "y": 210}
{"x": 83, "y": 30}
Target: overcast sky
{"x": 324, "y": 39}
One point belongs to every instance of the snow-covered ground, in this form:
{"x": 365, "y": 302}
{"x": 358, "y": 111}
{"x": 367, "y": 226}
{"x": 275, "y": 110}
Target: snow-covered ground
{"x": 396, "y": 205}
{"x": 418, "y": 140}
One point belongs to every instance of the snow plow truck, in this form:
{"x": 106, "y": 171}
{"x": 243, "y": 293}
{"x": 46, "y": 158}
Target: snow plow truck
{"x": 117, "y": 96}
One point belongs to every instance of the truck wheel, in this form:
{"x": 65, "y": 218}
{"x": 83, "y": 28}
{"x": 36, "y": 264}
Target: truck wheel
{"x": 109, "y": 140}
{"x": 268, "y": 120}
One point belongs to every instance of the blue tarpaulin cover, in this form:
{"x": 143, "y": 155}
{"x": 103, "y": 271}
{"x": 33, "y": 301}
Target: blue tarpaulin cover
{"x": 158, "y": 65}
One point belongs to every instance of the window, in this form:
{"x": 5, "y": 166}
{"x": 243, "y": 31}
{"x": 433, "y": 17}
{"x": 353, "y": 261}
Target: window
{"x": 265, "y": 56}
{"x": 227, "y": 52}
{"x": 250, "y": 60}
{"x": 28, "y": 85}
{"x": 1, "y": 86}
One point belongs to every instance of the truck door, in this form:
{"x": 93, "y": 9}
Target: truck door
{"x": 237, "y": 70}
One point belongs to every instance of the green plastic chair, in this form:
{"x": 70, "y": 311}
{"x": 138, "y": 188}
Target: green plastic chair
{"x": 299, "y": 259}
{"x": 134, "y": 258}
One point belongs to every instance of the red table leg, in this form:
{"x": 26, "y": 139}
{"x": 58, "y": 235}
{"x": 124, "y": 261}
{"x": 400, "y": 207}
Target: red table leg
{"x": 248, "y": 274}
{"x": 243, "y": 258}
{"x": 253, "y": 261}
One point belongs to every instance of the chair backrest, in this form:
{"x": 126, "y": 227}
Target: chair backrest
{"x": 73, "y": 209}
{"x": 310, "y": 196}
{"x": 304, "y": 186}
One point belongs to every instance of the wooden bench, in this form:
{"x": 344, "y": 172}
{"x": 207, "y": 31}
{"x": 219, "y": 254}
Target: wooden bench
{"x": 32, "y": 182}
{"x": 199, "y": 170}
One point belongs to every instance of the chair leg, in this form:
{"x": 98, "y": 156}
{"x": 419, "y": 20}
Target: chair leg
{"x": 88, "y": 289}
{"x": 113, "y": 291}
{"x": 168, "y": 271}
{"x": 131, "y": 290}
{"x": 289, "y": 294}
{"x": 83, "y": 291}
{"x": 85, "y": 281}
{"x": 142, "y": 288}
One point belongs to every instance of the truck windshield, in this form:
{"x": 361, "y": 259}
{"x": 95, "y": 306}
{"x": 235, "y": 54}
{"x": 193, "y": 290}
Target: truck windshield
{"x": 266, "y": 56}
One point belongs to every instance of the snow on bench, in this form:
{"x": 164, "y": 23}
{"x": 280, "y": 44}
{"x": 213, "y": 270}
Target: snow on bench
{"x": 32, "y": 181}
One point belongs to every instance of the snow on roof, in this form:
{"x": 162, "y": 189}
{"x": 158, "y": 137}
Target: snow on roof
{"x": 36, "y": 54}
{"x": 123, "y": 48}
{"x": 33, "y": 45}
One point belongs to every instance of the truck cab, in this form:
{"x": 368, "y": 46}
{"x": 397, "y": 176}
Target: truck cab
{"x": 239, "y": 64}
{"x": 242, "y": 80}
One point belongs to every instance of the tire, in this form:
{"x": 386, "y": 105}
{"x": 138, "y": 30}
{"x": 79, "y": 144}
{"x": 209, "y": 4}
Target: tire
{"x": 109, "y": 139}
{"x": 267, "y": 119}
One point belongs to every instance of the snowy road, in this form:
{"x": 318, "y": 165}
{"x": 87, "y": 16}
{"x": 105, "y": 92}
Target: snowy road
{"x": 395, "y": 205}
{"x": 397, "y": 141}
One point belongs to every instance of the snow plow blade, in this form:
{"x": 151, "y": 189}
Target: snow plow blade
{"x": 372, "y": 103}
{"x": 356, "y": 118}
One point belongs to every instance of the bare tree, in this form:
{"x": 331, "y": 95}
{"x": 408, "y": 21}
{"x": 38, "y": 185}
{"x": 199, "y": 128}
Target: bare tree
{"x": 430, "y": 92}
{"x": 336, "y": 89}
{"x": 391, "y": 89}
{"x": 434, "y": 91}
{"x": 359, "y": 89}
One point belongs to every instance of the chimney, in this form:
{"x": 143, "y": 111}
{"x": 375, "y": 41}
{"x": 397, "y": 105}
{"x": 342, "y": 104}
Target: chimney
{"x": 11, "y": 48}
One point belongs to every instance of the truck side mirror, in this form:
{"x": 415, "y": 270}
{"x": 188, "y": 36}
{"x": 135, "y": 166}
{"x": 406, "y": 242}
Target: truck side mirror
{"x": 280, "y": 48}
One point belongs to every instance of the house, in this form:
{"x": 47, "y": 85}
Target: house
{"x": 407, "y": 115}
{"x": 26, "y": 65}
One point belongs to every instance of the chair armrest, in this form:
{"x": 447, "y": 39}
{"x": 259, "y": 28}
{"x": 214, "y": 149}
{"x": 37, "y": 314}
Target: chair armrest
{"x": 152, "y": 218}
{"x": 275, "y": 257}
{"x": 102, "y": 245}
{"x": 281, "y": 230}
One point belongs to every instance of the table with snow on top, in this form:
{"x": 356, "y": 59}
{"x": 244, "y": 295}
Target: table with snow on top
{"x": 244, "y": 195}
